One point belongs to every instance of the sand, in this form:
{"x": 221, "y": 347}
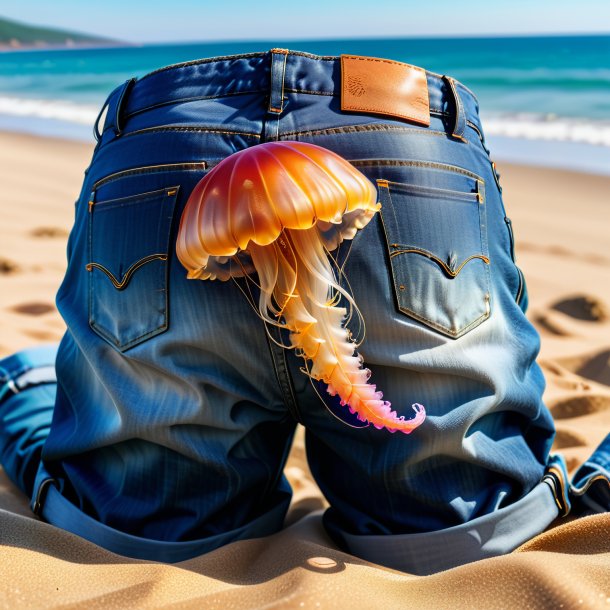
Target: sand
{"x": 561, "y": 222}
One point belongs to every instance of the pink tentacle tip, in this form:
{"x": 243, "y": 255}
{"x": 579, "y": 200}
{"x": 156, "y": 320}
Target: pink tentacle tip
{"x": 419, "y": 408}
{"x": 415, "y": 422}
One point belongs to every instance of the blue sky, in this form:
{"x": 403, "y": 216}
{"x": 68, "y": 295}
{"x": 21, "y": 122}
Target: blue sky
{"x": 200, "y": 20}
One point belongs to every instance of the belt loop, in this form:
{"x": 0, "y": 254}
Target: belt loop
{"x": 116, "y": 103}
{"x": 40, "y": 496}
{"x": 276, "y": 92}
{"x": 460, "y": 116}
{"x": 96, "y": 125}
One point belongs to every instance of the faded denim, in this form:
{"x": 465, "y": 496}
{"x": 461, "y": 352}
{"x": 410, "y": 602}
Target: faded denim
{"x": 171, "y": 419}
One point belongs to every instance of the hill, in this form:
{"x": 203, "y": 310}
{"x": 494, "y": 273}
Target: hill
{"x": 15, "y": 35}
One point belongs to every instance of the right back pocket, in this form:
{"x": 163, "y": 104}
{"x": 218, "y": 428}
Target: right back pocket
{"x": 437, "y": 246}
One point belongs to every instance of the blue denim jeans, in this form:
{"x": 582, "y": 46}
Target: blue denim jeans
{"x": 160, "y": 425}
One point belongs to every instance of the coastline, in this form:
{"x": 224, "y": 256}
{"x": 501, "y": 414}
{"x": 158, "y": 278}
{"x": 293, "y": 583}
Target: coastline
{"x": 560, "y": 221}
{"x": 577, "y": 157}
{"x": 76, "y": 46}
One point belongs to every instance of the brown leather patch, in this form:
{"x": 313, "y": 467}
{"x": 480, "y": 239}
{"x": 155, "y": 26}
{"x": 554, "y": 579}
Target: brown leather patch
{"x": 384, "y": 86}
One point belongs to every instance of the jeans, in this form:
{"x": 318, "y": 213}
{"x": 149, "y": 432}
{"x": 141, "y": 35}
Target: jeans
{"x": 160, "y": 425}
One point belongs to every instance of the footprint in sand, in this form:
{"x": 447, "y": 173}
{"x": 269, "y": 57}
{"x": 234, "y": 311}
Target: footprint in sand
{"x": 568, "y": 438}
{"x": 583, "y": 307}
{"x": 550, "y": 323}
{"x": 563, "y": 377}
{"x": 578, "y": 406}
{"x": 560, "y": 251}
{"x": 34, "y": 308}
{"x": 48, "y": 232}
{"x": 563, "y": 317}
{"x": 7, "y": 267}
{"x": 595, "y": 367}
{"x": 41, "y": 335}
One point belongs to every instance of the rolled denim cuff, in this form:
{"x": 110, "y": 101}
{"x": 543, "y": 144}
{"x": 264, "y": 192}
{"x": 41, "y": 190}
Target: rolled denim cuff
{"x": 48, "y": 503}
{"x": 490, "y": 535}
{"x": 590, "y": 486}
{"x": 28, "y": 367}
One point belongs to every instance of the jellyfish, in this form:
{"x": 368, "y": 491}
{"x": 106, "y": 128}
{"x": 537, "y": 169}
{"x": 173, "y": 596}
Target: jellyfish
{"x": 278, "y": 209}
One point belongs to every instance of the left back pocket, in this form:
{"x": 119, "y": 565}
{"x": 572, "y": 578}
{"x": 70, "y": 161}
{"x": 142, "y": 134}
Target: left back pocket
{"x": 128, "y": 265}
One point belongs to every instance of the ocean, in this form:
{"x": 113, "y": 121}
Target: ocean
{"x": 544, "y": 100}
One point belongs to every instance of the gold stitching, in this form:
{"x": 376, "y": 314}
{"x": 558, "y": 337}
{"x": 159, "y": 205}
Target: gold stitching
{"x": 385, "y": 61}
{"x": 579, "y": 491}
{"x": 120, "y": 285}
{"x": 551, "y": 481}
{"x": 444, "y": 329}
{"x": 138, "y": 198}
{"x": 432, "y": 164}
{"x": 149, "y": 168}
{"x": 422, "y": 190}
{"x": 436, "y": 259}
{"x": 189, "y": 128}
{"x": 419, "y": 118}
{"x": 279, "y": 109}
{"x": 361, "y": 128}
{"x": 563, "y": 502}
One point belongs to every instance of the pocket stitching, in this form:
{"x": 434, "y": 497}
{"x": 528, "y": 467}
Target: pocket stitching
{"x": 413, "y": 163}
{"x": 109, "y": 204}
{"x": 419, "y": 317}
{"x": 171, "y": 191}
{"x": 123, "y": 283}
{"x": 384, "y": 184}
{"x": 150, "y": 169}
{"x": 436, "y": 259}
{"x": 432, "y": 190}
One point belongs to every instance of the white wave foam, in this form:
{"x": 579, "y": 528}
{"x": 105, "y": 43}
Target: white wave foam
{"x": 513, "y": 125}
{"x": 549, "y": 127}
{"x": 49, "y": 109}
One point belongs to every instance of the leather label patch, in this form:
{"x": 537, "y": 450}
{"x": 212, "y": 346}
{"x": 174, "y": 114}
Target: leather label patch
{"x": 384, "y": 86}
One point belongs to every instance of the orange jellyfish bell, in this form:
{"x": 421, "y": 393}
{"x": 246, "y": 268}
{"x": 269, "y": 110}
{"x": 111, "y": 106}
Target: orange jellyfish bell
{"x": 277, "y": 209}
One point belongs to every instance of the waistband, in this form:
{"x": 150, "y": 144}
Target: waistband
{"x": 245, "y": 73}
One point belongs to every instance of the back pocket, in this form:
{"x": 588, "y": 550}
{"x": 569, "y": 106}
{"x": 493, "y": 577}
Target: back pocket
{"x": 128, "y": 268}
{"x": 438, "y": 252}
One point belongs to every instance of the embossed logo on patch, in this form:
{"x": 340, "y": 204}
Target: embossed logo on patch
{"x": 355, "y": 86}
{"x": 385, "y": 87}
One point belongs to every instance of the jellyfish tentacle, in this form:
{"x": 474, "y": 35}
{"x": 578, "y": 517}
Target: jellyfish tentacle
{"x": 316, "y": 329}
{"x": 288, "y": 205}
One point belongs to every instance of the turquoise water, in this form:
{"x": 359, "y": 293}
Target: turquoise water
{"x": 553, "y": 89}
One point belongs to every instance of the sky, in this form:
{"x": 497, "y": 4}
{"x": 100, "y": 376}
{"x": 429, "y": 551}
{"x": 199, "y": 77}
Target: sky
{"x": 201, "y": 20}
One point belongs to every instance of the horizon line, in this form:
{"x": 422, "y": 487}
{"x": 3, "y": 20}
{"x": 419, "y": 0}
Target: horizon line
{"x": 383, "y": 37}
{"x": 129, "y": 44}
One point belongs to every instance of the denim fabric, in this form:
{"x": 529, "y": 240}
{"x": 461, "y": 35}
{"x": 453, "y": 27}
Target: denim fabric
{"x": 174, "y": 410}
{"x": 590, "y": 485}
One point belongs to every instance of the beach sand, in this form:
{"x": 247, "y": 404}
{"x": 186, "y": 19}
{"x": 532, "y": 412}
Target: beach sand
{"x": 561, "y": 222}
